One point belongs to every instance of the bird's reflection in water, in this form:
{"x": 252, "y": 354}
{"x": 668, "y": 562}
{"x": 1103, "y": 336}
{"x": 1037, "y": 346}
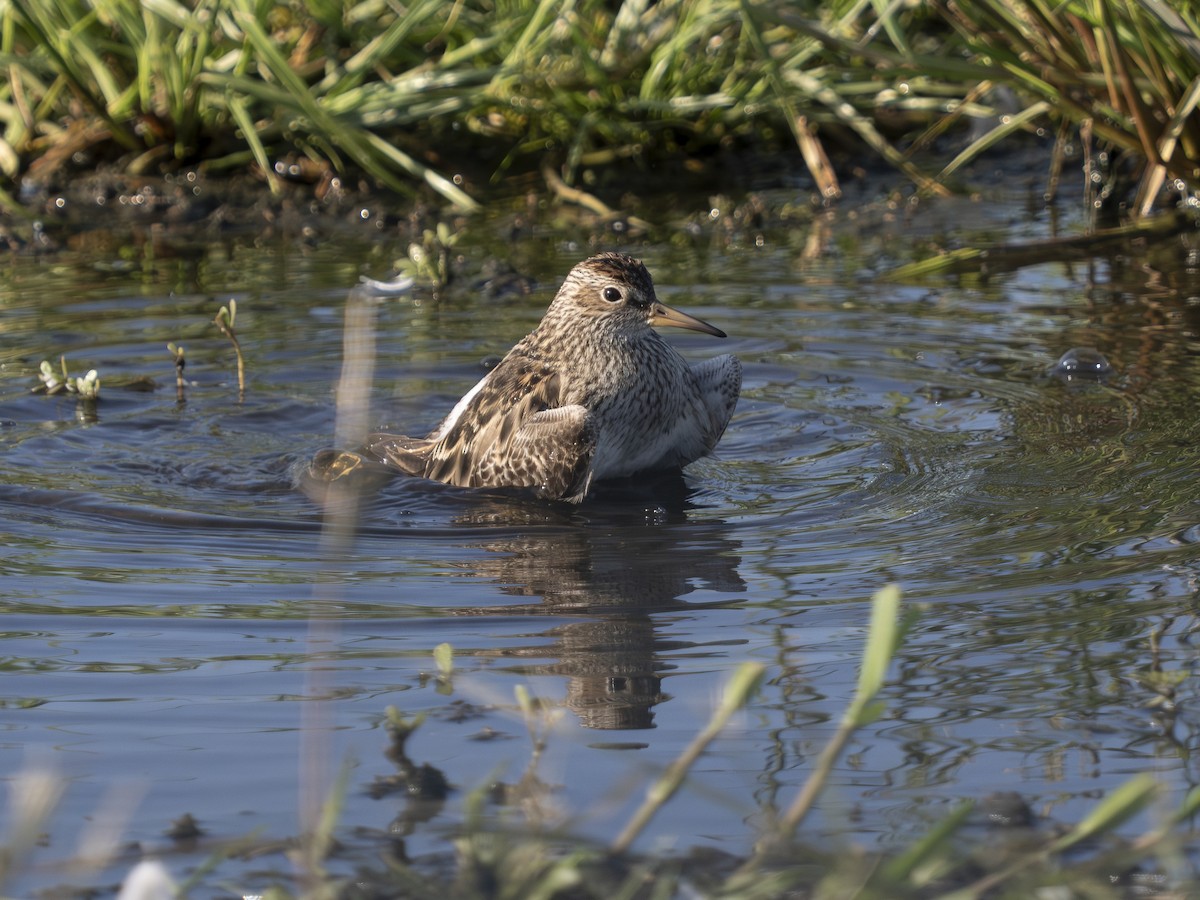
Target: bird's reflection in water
{"x": 633, "y": 552}
{"x": 630, "y": 554}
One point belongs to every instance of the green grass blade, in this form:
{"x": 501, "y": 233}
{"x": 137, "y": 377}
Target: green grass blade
{"x": 238, "y": 108}
{"x": 1119, "y": 806}
{"x": 1007, "y": 126}
{"x": 883, "y": 636}
{"x": 438, "y": 182}
{"x": 65, "y": 51}
{"x": 378, "y": 49}
{"x": 533, "y": 32}
{"x": 907, "y": 867}
{"x": 373, "y": 153}
{"x": 741, "y": 687}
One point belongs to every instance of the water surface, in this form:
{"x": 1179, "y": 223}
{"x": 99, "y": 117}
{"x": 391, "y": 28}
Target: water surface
{"x": 176, "y": 635}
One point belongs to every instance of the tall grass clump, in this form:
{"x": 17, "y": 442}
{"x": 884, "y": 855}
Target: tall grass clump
{"x": 406, "y": 93}
{"x": 224, "y": 82}
{"x": 1123, "y": 74}
{"x": 386, "y": 88}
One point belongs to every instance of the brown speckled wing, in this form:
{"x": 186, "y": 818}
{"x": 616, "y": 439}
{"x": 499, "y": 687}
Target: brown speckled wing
{"x": 512, "y": 434}
{"x": 551, "y": 452}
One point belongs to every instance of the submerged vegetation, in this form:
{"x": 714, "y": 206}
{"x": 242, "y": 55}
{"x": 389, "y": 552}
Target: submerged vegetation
{"x": 224, "y": 320}
{"x": 409, "y": 93}
{"x": 86, "y": 386}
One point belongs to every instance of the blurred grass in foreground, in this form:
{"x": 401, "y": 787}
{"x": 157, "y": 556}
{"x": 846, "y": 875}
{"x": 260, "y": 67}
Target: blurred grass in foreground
{"x": 405, "y": 92}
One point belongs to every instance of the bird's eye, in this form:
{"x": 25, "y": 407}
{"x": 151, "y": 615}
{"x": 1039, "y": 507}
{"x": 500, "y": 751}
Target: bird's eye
{"x": 611, "y": 294}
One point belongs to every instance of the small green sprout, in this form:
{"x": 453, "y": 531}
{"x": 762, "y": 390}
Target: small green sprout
{"x": 443, "y": 655}
{"x": 224, "y": 320}
{"x": 50, "y": 382}
{"x": 227, "y": 315}
{"x": 86, "y": 386}
{"x": 429, "y": 261}
{"x": 177, "y": 351}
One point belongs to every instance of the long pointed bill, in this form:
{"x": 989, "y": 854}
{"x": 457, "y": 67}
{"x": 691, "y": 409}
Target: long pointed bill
{"x": 661, "y": 314}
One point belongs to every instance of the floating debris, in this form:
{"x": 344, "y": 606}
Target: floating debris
{"x": 185, "y": 828}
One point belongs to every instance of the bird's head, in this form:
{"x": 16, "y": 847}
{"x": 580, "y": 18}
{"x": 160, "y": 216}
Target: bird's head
{"x": 614, "y": 291}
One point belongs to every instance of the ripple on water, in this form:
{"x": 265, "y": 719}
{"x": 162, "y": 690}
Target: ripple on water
{"x": 171, "y": 605}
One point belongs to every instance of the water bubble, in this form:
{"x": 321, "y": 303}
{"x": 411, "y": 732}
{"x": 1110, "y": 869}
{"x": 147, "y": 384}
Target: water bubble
{"x": 1082, "y": 364}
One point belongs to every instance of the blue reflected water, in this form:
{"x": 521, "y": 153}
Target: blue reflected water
{"x": 172, "y": 629}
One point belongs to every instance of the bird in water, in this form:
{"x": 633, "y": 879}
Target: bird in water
{"x": 592, "y": 393}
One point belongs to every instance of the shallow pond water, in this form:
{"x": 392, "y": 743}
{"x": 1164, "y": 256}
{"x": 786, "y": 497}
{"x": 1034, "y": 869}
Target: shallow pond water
{"x": 176, "y": 639}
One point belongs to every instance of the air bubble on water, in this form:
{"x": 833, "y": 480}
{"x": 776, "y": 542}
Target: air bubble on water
{"x": 1082, "y": 364}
